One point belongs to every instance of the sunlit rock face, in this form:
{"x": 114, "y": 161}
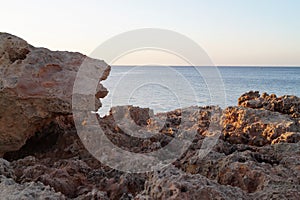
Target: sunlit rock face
{"x": 36, "y": 87}
{"x": 287, "y": 104}
{"x": 262, "y": 119}
{"x": 256, "y": 154}
{"x": 257, "y": 127}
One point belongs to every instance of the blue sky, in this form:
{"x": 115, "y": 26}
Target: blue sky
{"x": 233, "y": 32}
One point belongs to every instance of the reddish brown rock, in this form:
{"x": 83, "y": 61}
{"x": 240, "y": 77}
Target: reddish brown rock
{"x": 286, "y": 104}
{"x": 230, "y": 170}
{"x": 65, "y": 165}
{"x": 36, "y": 86}
{"x": 171, "y": 183}
{"x": 64, "y": 176}
{"x": 270, "y": 171}
{"x": 255, "y": 127}
{"x": 256, "y": 157}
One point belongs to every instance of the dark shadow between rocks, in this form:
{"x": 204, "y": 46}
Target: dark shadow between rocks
{"x": 41, "y": 142}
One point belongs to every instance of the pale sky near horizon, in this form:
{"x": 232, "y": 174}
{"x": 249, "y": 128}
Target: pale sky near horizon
{"x": 232, "y": 32}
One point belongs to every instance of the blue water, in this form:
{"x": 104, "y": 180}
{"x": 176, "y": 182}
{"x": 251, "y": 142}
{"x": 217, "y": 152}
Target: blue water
{"x": 167, "y": 88}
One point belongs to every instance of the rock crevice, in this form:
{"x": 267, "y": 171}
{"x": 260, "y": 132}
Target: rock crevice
{"x": 36, "y": 87}
{"x": 256, "y": 154}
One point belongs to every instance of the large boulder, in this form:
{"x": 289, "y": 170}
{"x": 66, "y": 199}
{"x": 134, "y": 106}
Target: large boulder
{"x": 36, "y": 87}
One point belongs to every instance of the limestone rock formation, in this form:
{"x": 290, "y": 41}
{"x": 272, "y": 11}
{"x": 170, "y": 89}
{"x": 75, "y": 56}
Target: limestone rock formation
{"x": 287, "y": 104}
{"x": 36, "y": 87}
{"x": 257, "y": 127}
{"x": 6, "y": 169}
{"x": 267, "y": 172}
{"x": 11, "y": 190}
{"x": 171, "y": 183}
{"x": 249, "y": 151}
{"x": 262, "y": 119}
{"x": 31, "y": 190}
{"x": 230, "y": 170}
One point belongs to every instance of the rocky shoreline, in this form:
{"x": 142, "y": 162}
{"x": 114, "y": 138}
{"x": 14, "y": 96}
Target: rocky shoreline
{"x": 256, "y": 156}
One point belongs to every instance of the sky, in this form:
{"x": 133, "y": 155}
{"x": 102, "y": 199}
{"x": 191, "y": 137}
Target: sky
{"x": 232, "y": 32}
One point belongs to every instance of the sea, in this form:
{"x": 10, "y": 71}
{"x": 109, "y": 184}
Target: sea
{"x": 163, "y": 88}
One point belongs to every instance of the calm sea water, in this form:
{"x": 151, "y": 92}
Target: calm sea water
{"x": 167, "y": 88}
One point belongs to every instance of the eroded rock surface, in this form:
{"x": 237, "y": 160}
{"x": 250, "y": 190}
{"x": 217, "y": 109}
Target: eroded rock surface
{"x": 31, "y": 190}
{"x": 286, "y": 104}
{"x": 231, "y": 169}
{"x": 36, "y": 86}
{"x": 171, "y": 183}
{"x": 6, "y": 169}
{"x": 249, "y": 151}
{"x": 265, "y": 171}
{"x": 258, "y": 127}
